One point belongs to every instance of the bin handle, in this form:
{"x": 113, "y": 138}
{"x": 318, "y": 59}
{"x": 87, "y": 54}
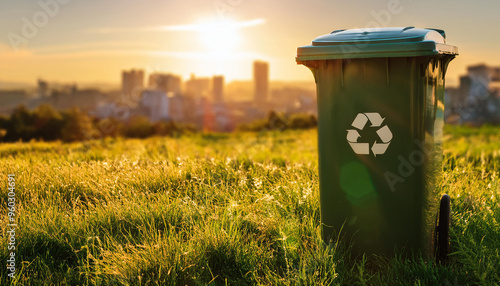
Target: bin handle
{"x": 442, "y": 32}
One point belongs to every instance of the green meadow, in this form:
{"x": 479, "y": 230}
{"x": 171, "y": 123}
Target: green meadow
{"x": 222, "y": 209}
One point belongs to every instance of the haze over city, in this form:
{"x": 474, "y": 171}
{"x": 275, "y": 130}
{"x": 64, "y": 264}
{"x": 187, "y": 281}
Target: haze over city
{"x": 82, "y": 41}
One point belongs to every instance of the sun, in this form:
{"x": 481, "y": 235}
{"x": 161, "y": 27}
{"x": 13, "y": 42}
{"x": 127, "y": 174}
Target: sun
{"x": 220, "y": 36}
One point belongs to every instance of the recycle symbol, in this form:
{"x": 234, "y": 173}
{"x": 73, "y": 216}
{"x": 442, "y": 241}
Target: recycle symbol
{"x": 384, "y": 133}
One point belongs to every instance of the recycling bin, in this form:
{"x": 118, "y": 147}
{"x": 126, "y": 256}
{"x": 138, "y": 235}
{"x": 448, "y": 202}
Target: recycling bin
{"x": 380, "y": 122}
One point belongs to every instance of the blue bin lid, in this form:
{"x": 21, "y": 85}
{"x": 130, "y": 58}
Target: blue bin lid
{"x": 376, "y": 43}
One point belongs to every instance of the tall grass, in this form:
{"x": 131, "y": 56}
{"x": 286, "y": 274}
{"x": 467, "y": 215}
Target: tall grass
{"x": 216, "y": 209}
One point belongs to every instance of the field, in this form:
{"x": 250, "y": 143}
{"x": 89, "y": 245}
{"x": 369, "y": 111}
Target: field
{"x": 236, "y": 209}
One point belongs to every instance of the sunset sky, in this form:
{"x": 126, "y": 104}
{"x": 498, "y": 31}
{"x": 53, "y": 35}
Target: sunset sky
{"x": 92, "y": 41}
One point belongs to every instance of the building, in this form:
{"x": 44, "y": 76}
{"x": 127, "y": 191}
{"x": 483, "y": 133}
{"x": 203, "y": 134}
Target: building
{"x": 43, "y": 88}
{"x": 165, "y": 82}
{"x": 132, "y": 83}
{"x": 68, "y": 96}
{"x": 9, "y": 99}
{"x": 223, "y": 122}
{"x": 206, "y": 115}
{"x": 218, "y": 89}
{"x": 261, "y": 83}
{"x": 477, "y": 99}
{"x": 480, "y": 77}
{"x": 198, "y": 87}
{"x": 291, "y": 99}
{"x": 88, "y": 100}
{"x": 176, "y": 106}
{"x": 155, "y": 104}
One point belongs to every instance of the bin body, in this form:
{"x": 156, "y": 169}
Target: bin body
{"x": 380, "y": 123}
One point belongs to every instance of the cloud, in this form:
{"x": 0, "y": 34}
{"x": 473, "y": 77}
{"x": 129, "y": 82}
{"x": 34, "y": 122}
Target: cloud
{"x": 128, "y": 48}
{"x": 7, "y": 52}
{"x": 89, "y": 46}
{"x": 188, "y": 27}
{"x": 206, "y": 55}
{"x": 60, "y": 52}
{"x": 203, "y": 26}
{"x": 111, "y": 30}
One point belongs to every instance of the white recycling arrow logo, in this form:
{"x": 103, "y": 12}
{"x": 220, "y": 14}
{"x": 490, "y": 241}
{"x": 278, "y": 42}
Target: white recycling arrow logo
{"x": 384, "y": 133}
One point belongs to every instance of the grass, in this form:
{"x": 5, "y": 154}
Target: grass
{"x": 238, "y": 209}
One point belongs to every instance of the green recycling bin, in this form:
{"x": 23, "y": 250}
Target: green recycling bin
{"x": 380, "y": 122}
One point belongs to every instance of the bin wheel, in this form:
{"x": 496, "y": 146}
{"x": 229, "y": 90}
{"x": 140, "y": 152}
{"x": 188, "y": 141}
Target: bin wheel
{"x": 443, "y": 228}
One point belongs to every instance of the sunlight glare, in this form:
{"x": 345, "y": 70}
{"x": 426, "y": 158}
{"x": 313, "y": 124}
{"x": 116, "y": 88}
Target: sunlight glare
{"x": 221, "y": 36}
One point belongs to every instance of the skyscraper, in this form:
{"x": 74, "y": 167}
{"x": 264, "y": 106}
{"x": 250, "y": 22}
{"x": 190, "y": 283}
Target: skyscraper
{"x": 261, "y": 82}
{"x": 198, "y": 87}
{"x": 156, "y": 104}
{"x": 218, "y": 88}
{"x": 43, "y": 88}
{"x": 165, "y": 82}
{"x": 132, "y": 83}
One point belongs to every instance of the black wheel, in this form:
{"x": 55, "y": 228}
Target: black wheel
{"x": 443, "y": 228}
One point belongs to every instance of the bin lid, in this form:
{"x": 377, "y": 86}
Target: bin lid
{"x": 376, "y": 43}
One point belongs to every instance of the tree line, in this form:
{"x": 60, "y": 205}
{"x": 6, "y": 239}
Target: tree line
{"x": 279, "y": 121}
{"x": 47, "y": 124}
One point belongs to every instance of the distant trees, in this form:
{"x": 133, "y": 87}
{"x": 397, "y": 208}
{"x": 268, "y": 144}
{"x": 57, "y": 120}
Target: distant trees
{"x": 302, "y": 121}
{"x": 20, "y": 125}
{"x": 171, "y": 128}
{"x": 3, "y": 123}
{"x": 277, "y": 121}
{"x": 47, "y": 124}
{"x": 139, "y": 127}
{"x": 77, "y": 127}
{"x": 109, "y": 127}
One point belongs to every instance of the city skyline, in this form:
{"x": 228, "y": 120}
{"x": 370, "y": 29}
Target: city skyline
{"x": 164, "y": 97}
{"x": 80, "y": 41}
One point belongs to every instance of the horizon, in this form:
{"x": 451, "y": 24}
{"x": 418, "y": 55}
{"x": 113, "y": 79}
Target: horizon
{"x": 73, "y": 41}
{"x": 117, "y": 85}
